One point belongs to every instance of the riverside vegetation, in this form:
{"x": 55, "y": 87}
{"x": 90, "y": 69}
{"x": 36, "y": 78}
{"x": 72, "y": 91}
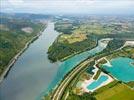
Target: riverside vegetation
{"x": 83, "y": 36}
{"x": 78, "y": 34}
{"x": 114, "y": 90}
{"x": 15, "y": 31}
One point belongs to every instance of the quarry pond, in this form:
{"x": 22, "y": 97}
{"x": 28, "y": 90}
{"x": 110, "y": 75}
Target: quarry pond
{"x": 122, "y": 69}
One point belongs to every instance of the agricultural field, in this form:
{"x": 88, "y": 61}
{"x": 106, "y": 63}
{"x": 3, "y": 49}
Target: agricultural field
{"x": 118, "y": 92}
{"x": 78, "y": 35}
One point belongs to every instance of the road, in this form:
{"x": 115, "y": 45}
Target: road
{"x": 60, "y": 89}
{"x": 62, "y": 86}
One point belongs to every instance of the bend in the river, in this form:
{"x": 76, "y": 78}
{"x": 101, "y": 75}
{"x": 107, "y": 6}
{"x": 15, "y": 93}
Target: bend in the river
{"x": 32, "y": 73}
{"x": 70, "y": 63}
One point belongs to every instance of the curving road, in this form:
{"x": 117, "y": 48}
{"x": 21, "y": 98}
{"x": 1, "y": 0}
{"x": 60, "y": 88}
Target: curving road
{"x": 82, "y": 66}
{"x": 60, "y": 89}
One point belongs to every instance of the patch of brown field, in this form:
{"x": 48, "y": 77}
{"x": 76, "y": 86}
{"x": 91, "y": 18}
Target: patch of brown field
{"x": 76, "y": 37}
{"x": 27, "y": 29}
{"x": 3, "y": 27}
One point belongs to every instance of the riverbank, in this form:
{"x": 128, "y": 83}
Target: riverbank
{"x": 15, "y": 58}
{"x": 74, "y": 61}
{"x": 105, "y": 40}
{"x": 31, "y": 70}
{"x": 87, "y": 49}
{"x": 61, "y": 87}
{"x": 96, "y": 58}
{"x": 57, "y": 50}
{"x": 132, "y": 63}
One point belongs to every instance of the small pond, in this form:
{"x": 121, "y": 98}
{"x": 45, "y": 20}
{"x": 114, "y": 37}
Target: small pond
{"x": 97, "y": 82}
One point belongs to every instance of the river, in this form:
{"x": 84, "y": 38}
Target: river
{"x": 70, "y": 63}
{"x": 33, "y": 73}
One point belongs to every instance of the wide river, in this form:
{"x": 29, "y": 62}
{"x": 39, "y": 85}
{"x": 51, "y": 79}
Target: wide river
{"x": 32, "y": 74}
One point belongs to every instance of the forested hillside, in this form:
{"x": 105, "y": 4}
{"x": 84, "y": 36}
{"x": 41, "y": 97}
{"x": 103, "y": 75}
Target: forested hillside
{"x": 15, "y": 31}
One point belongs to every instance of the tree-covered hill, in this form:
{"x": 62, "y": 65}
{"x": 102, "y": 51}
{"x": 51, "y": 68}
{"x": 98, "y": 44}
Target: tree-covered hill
{"x": 15, "y": 31}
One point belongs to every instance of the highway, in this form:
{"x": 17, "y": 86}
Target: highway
{"x": 58, "y": 92}
{"x": 62, "y": 86}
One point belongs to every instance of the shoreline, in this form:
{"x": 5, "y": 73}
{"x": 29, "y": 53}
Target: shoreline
{"x": 54, "y": 88}
{"x": 132, "y": 64}
{"x": 73, "y": 54}
{"x": 87, "y": 49}
{"x": 54, "y": 91}
{"x": 86, "y": 83}
{"x": 16, "y": 57}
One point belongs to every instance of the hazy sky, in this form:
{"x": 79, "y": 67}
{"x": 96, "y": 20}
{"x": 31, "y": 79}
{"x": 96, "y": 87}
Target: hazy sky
{"x": 69, "y": 6}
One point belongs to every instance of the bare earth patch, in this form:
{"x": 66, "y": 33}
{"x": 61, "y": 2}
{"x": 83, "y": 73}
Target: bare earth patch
{"x": 76, "y": 37}
{"x": 27, "y": 29}
{"x": 3, "y": 27}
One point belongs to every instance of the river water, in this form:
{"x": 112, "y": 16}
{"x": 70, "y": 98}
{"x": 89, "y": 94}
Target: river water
{"x": 70, "y": 63}
{"x": 33, "y": 73}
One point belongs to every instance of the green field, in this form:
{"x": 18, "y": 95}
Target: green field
{"x": 117, "y": 92}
